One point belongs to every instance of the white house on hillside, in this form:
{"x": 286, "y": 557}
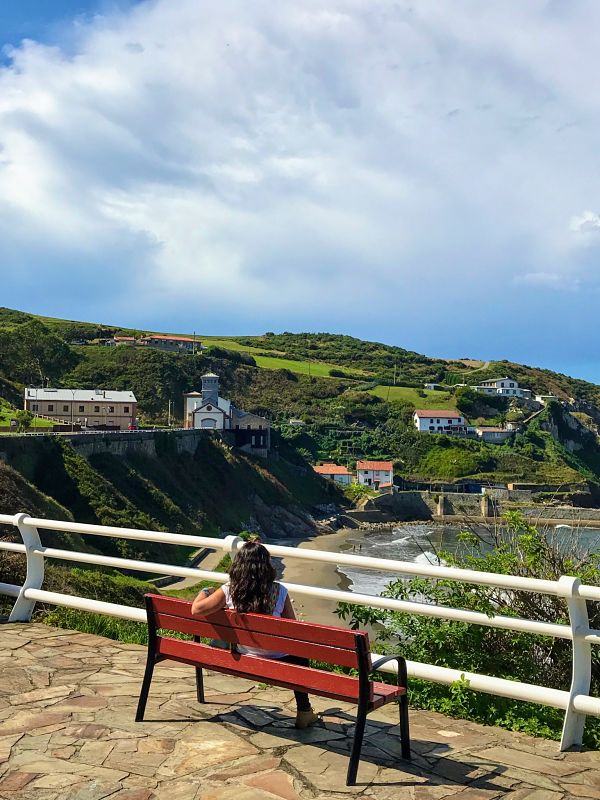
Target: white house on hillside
{"x": 375, "y": 473}
{"x": 209, "y": 411}
{"x": 439, "y": 421}
{"x": 508, "y": 387}
{"x": 334, "y": 472}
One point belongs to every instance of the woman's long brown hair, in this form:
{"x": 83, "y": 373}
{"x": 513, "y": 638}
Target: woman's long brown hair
{"x": 251, "y": 579}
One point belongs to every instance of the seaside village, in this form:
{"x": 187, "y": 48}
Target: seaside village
{"x": 87, "y": 410}
{"x": 380, "y": 474}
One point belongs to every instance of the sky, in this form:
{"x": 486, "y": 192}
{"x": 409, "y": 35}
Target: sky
{"x": 424, "y": 174}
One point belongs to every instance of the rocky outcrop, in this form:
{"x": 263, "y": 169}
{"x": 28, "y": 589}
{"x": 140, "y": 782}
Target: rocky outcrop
{"x": 280, "y": 522}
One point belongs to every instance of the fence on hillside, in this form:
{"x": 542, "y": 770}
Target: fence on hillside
{"x": 576, "y": 702}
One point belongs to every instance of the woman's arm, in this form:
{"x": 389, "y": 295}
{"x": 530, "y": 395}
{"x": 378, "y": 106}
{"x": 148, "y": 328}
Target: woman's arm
{"x": 288, "y": 609}
{"x": 208, "y": 601}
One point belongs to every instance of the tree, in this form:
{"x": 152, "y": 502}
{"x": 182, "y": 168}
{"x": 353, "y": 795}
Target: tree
{"x": 24, "y": 420}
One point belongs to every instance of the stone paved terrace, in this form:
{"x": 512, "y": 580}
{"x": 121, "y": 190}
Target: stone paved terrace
{"x": 67, "y": 730}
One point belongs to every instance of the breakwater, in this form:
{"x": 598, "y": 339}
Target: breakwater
{"x": 463, "y": 507}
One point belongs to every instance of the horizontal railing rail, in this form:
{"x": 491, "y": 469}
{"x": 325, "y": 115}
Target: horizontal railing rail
{"x": 576, "y": 702}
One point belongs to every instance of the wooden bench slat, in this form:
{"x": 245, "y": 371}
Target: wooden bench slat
{"x": 199, "y": 626}
{"x": 267, "y": 670}
{"x": 264, "y": 623}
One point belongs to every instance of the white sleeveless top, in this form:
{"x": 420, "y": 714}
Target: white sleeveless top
{"x": 277, "y": 611}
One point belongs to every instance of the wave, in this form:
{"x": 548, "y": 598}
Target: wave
{"x": 401, "y": 540}
{"x": 428, "y": 557}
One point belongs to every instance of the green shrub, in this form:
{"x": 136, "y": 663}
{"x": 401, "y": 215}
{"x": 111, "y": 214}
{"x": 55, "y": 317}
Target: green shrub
{"x": 520, "y": 549}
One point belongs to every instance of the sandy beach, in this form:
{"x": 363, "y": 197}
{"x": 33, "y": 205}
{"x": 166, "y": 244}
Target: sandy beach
{"x": 311, "y": 573}
{"x": 297, "y": 570}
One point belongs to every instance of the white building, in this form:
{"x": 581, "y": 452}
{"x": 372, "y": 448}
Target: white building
{"x": 439, "y": 421}
{"x": 209, "y": 411}
{"x": 507, "y": 387}
{"x": 545, "y": 398}
{"x": 432, "y": 386}
{"x": 375, "y": 473}
{"x": 492, "y": 434}
{"x": 334, "y": 472}
{"x": 89, "y": 408}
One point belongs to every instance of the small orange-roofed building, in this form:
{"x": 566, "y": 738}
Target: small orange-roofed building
{"x": 334, "y": 472}
{"x": 374, "y": 473}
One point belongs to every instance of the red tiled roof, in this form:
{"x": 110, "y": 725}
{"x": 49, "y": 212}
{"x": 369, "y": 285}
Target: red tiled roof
{"x": 171, "y": 338}
{"x": 433, "y": 412}
{"x": 376, "y": 465}
{"x": 331, "y": 469}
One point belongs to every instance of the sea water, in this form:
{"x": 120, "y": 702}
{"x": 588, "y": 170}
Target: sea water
{"x": 422, "y": 543}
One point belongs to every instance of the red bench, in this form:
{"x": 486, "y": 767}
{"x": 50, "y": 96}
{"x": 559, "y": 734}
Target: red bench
{"x": 335, "y": 646}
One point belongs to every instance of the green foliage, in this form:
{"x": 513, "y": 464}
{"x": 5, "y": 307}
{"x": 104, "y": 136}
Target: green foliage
{"x": 31, "y": 353}
{"x": 24, "y": 419}
{"x": 475, "y": 404}
{"x": 123, "y": 630}
{"x": 520, "y": 549}
{"x": 357, "y": 491}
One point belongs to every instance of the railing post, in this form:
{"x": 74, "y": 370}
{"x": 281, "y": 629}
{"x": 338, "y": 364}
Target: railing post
{"x": 23, "y": 608}
{"x": 574, "y": 722}
{"x": 233, "y": 545}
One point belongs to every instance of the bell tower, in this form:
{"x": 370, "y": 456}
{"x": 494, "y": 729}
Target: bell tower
{"x": 210, "y": 388}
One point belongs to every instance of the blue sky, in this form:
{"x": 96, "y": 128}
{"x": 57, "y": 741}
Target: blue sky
{"x": 422, "y": 174}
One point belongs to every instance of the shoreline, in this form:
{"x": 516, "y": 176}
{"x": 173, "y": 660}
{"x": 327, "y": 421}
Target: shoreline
{"x": 314, "y": 573}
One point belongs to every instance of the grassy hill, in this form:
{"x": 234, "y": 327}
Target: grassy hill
{"x": 355, "y": 397}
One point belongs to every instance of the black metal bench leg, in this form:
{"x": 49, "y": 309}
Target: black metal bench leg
{"x": 199, "y": 680}
{"x": 404, "y": 729}
{"x": 199, "y": 685}
{"x": 359, "y": 730}
{"x": 150, "y": 662}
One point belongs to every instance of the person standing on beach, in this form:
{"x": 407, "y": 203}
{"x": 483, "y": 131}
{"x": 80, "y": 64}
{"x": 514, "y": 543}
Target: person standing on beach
{"x": 252, "y": 588}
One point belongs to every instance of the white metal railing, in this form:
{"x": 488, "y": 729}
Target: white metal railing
{"x": 577, "y": 702}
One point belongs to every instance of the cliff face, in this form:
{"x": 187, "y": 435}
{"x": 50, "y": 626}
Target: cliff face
{"x": 202, "y": 489}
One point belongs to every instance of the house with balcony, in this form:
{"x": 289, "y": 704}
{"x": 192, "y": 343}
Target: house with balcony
{"x": 375, "y": 473}
{"x": 87, "y": 408}
{"x": 506, "y": 387}
{"x": 431, "y": 420}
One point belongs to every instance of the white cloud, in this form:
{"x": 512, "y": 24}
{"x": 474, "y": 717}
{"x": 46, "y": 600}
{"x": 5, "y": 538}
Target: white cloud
{"x": 309, "y": 160}
{"x": 587, "y": 224}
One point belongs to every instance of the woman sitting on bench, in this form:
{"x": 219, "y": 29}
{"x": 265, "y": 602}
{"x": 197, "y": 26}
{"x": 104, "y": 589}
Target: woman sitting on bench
{"x": 252, "y": 588}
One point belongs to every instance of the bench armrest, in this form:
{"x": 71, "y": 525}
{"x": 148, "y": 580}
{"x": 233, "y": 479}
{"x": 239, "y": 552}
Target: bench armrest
{"x": 401, "y": 661}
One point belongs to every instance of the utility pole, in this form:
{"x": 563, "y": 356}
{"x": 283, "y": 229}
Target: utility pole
{"x": 169, "y": 415}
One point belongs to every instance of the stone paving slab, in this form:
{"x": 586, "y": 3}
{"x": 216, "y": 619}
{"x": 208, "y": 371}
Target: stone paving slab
{"x": 67, "y": 732}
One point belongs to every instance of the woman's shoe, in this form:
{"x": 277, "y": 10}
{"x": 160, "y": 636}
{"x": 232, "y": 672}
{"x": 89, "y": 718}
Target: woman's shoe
{"x": 305, "y": 719}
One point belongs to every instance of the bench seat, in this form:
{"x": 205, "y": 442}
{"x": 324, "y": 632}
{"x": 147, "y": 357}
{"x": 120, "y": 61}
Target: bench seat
{"x": 322, "y": 643}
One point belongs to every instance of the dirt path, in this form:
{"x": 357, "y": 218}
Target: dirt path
{"x": 209, "y": 562}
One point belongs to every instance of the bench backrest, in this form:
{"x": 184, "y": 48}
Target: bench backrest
{"x": 326, "y": 643}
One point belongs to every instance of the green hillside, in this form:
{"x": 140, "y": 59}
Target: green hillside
{"x": 356, "y": 398}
